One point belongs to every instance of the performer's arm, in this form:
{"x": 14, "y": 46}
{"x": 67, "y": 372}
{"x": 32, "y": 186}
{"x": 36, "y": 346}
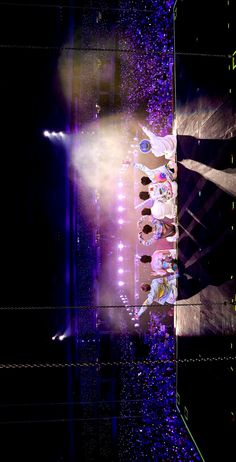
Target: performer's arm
{"x": 146, "y": 170}
{"x": 148, "y": 203}
{"x": 147, "y": 131}
{"x": 143, "y": 308}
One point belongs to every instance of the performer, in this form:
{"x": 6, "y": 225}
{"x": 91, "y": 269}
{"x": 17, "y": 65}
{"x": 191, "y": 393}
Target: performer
{"x": 159, "y": 174}
{"x": 161, "y": 290}
{"x": 159, "y": 145}
{"x": 157, "y": 208}
{"x": 163, "y": 191}
{"x": 162, "y": 262}
{"x": 158, "y": 229}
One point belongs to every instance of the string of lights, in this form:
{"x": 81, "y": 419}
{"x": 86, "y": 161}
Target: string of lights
{"x": 97, "y": 307}
{"x": 78, "y": 419}
{"x": 74, "y": 403}
{"x": 70, "y": 48}
{"x": 208, "y": 359}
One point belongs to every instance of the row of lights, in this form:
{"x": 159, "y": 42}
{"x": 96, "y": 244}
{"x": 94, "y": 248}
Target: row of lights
{"x": 57, "y": 135}
{"x": 132, "y": 312}
{"x": 120, "y": 246}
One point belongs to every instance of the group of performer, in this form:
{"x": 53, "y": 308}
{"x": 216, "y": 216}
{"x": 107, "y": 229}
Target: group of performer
{"x": 159, "y": 203}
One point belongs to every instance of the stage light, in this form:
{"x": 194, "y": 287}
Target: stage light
{"x": 54, "y": 337}
{"x": 120, "y": 184}
{"x": 120, "y": 208}
{"x": 121, "y": 271}
{"x": 61, "y": 134}
{"x": 120, "y": 283}
{"x": 54, "y": 134}
{"x": 136, "y": 324}
{"x": 120, "y": 246}
{"x": 121, "y": 221}
{"x": 61, "y": 337}
{"x": 120, "y": 258}
{"x": 46, "y": 133}
{"x": 120, "y": 196}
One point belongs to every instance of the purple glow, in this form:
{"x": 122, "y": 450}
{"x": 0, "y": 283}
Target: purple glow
{"x": 121, "y": 271}
{"x": 120, "y": 283}
{"x": 120, "y": 208}
{"x": 120, "y": 246}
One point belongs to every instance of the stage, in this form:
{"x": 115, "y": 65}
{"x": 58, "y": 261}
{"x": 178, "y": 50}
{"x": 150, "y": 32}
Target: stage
{"x": 205, "y": 317}
{"x": 84, "y": 375}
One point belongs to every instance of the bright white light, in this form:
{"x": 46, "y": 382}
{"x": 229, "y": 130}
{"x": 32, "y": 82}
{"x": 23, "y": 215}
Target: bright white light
{"x": 120, "y": 258}
{"x": 54, "y": 337}
{"x": 136, "y": 324}
{"x": 120, "y": 184}
{"x": 120, "y": 208}
{"x": 61, "y": 134}
{"x": 120, "y": 196}
{"x": 132, "y": 319}
{"x": 120, "y": 246}
{"x": 127, "y": 309}
{"x": 61, "y": 337}
{"x": 120, "y": 283}
{"x": 46, "y": 133}
{"x": 54, "y": 134}
{"x": 121, "y": 271}
{"x": 121, "y": 221}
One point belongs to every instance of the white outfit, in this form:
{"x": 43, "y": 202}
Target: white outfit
{"x": 163, "y": 191}
{"x": 160, "y": 209}
{"x": 163, "y": 290}
{"x": 162, "y": 145}
{"x": 162, "y": 261}
{"x": 154, "y": 174}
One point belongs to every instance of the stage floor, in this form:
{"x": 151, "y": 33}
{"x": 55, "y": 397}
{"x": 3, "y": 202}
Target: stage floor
{"x": 205, "y": 314}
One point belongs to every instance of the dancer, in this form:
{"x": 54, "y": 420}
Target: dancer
{"x": 157, "y": 208}
{"x": 161, "y": 290}
{"x": 159, "y": 174}
{"x": 159, "y": 145}
{"x": 163, "y": 191}
{"x": 157, "y": 229}
{"x": 162, "y": 262}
